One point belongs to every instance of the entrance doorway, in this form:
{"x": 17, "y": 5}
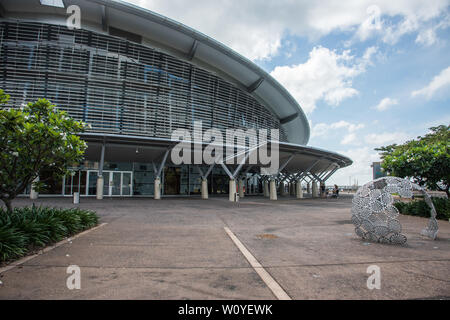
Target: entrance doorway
{"x": 172, "y": 178}
{"x": 115, "y": 183}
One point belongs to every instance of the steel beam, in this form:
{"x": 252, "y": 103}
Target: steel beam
{"x": 286, "y": 162}
{"x": 105, "y": 21}
{"x": 158, "y": 174}
{"x": 227, "y": 171}
{"x": 289, "y": 118}
{"x": 102, "y": 160}
{"x": 192, "y": 51}
{"x": 239, "y": 167}
{"x": 331, "y": 173}
{"x": 255, "y": 85}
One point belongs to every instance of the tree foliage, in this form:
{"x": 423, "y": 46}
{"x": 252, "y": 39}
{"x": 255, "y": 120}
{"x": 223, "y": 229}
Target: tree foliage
{"x": 35, "y": 139}
{"x": 426, "y": 160}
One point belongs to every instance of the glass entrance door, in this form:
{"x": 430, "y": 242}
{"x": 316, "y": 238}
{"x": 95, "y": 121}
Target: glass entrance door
{"x": 126, "y": 184}
{"x": 115, "y": 183}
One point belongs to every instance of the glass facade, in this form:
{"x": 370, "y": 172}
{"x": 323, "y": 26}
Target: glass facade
{"x": 137, "y": 179}
{"x": 124, "y": 88}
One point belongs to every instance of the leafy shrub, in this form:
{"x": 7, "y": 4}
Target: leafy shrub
{"x": 421, "y": 209}
{"x": 25, "y": 229}
{"x": 12, "y": 243}
{"x": 442, "y": 207}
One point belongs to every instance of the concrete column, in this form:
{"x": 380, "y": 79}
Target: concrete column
{"x": 273, "y": 190}
{"x": 299, "y": 190}
{"x": 315, "y": 192}
{"x": 292, "y": 189}
{"x": 322, "y": 193}
{"x": 266, "y": 189}
{"x": 33, "y": 193}
{"x": 100, "y": 180}
{"x": 157, "y": 193}
{"x": 282, "y": 189}
{"x": 232, "y": 190}
{"x": 100, "y": 184}
{"x": 308, "y": 188}
{"x": 241, "y": 188}
{"x": 204, "y": 189}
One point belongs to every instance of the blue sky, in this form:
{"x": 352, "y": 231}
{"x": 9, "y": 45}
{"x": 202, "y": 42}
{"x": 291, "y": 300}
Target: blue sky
{"x": 367, "y": 73}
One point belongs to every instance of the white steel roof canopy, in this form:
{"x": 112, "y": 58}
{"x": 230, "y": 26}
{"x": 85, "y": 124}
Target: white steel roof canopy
{"x": 166, "y": 35}
{"x": 174, "y": 38}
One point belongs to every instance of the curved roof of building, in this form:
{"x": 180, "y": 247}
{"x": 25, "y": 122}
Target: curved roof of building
{"x": 182, "y": 41}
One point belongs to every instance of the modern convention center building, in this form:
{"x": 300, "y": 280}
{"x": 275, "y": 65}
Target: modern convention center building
{"x": 135, "y": 76}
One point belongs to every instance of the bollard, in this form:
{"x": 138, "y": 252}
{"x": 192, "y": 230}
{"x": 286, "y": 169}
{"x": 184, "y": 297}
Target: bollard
{"x": 76, "y": 198}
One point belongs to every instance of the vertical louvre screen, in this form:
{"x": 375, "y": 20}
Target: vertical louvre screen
{"x": 118, "y": 86}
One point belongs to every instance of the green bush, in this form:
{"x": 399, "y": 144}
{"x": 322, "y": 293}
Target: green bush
{"x": 13, "y": 243}
{"x": 421, "y": 209}
{"x": 29, "y": 228}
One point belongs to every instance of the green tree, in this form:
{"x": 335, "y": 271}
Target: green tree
{"x": 35, "y": 139}
{"x": 426, "y": 160}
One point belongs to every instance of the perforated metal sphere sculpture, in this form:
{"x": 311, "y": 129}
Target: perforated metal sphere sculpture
{"x": 375, "y": 216}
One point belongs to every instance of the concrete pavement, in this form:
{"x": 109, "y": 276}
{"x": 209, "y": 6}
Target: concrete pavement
{"x": 176, "y": 248}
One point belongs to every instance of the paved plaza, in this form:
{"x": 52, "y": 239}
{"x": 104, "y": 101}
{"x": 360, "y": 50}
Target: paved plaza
{"x": 177, "y": 248}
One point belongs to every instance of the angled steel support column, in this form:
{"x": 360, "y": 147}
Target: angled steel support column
{"x": 239, "y": 167}
{"x": 157, "y": 185}
{"x": 233, "y": 179}
{"x": 305, "y": 173}
{"x": 205, "y": 176}
{"x": 204, "y": 189}
{"x": 324, "y": 173}
{"x": 232, "y": 183}
{"x": 286, "y": 163}
{"x": 315, "y": 176}
{"x": 227, "y": 171}
{"x": 331, "y": 173}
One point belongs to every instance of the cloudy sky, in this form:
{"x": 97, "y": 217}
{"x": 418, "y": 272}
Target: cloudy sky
{"x": 367, "y": 73}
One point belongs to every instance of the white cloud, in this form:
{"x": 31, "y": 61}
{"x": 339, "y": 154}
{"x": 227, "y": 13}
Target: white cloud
{"x": 386, "y": 103}
{"x": 349, "y": 138}
{"x": 363, "y": 157}
{"x": 327, "y": 76}
{"x": 439, "y": 82}
{"x": 360, "y": 169}
{"x": 321, "y": 129}
{"x": 385, "y": 138}
{"x": 427, "y": 37}
{"x": 255, "y": 29}
{"x": 393, "y": 33}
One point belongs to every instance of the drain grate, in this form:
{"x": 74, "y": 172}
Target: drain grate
{"x": 266, "y": 236}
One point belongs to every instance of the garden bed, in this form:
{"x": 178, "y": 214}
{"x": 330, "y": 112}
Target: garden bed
{"x": 421, "y": 209}
{"x": 26, "y": 230}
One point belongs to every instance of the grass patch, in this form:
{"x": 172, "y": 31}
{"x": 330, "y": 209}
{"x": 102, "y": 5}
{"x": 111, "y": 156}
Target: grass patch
{"x": 30, "y": 228}
{"x": 421, "y": 209}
